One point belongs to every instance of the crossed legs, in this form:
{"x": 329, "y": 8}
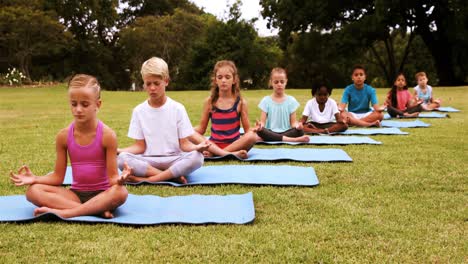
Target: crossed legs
{"x": 66, "y": 204}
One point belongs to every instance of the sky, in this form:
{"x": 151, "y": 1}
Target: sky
{"x": 249, "y": 9}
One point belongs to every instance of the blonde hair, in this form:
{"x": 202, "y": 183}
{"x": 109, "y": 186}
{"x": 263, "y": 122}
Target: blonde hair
{"x": 155, "y": 66}
{"x": 277, "y": 70}
{"x": 79, "y": 81}
{"x": 420, "y": 74}
{"x": 235, "y": 89}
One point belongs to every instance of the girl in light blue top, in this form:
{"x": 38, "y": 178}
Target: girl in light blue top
{"x": 278, "y": 119}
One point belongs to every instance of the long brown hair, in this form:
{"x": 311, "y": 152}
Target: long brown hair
{"x": 393, "y": 92}
{"x": 214, "y": 87}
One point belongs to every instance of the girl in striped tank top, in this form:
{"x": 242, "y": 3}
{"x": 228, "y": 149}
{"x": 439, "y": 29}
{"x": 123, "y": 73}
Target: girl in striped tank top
{"x": 97, "y": 188}
{"x": 227, "y": 110}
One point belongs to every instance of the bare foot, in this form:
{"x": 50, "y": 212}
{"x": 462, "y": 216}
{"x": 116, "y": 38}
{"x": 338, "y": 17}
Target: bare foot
{"x": 207, "y": 154}
{"x": 134, "y": 179}
{"x": 301, "y": 139}
{"x": 415, "y": 114}
{"x": 42, "y": 210}
{"x": 107, "y": 214}
{"x": 375, "y": 124}
{"x": 241, "y": 154}
{"x": 181, "y": 180}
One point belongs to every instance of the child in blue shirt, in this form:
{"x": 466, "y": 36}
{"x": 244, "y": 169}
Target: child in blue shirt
{"x": 357, "y": 97}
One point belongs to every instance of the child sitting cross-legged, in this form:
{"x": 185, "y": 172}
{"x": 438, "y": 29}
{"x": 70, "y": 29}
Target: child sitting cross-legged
{"x": 321, "y": 114}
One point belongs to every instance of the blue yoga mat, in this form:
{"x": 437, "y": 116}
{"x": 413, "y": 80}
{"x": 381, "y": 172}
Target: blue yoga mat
{"x": 421, "y": 115}
{"x": 240, "y": 174}
{"x": 404, "y": 124}
{"x": 447, "y": 109}
{"x": 150, "y": 210}
{"x": 291, "y": 154}
{"x": 327, "y": 140}
{"x": 374, "y": 131}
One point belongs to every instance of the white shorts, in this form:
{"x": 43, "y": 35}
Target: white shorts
{"x": 360, "y": 115}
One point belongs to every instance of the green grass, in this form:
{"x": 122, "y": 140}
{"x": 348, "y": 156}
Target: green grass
{"x": 403, "y": 201}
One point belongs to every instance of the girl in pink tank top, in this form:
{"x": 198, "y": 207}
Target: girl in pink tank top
{"x": 88, "y": 162}
{"x": 97, "y": 188}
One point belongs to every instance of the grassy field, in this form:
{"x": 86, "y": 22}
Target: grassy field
{"x": 403, "y": 201}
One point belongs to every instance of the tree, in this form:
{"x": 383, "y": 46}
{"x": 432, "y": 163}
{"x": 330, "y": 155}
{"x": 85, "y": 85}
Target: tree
{"x": 141, "y": 8}
{"x": 442, "y": 25}
{"x": 169, "y": 37}
{"x": 27, "y": 33}
{"x": 234, "y": 39}
{"x": 96, "y": 25}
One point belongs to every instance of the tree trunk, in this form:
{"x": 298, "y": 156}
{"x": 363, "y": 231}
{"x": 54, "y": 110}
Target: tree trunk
{"x": 439, "y": 45}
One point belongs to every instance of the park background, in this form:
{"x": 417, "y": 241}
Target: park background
{"x": 402, "y": 201}
{"x": 50, "y": 40}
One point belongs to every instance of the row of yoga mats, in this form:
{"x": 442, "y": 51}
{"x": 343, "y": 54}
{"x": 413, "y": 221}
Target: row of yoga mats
{"x": 215, "y": 209}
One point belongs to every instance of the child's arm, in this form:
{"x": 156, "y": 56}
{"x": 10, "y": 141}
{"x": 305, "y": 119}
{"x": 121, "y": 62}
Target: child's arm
{"x": 304, "y": 119}
{"x": 260, "y": 124}
{"x": 342, "y": 107}
{"x": 201, "y": 128}
{"x": 136, "y": 148}
{"x": 432, "y": 100}
{"x": 339, "y": 118}
{"x": 109, "y": 143}
{"x": 379, "y": 108}
{"x": 187, "y": 146}
{"x": 26, "y": 177}
{"x": 293, "y": 122}
{"x": 244, "y": 115}
{"x": 263, "y": 118}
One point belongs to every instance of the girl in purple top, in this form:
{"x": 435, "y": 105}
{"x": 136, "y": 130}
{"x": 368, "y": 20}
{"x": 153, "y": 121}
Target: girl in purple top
{"x": 92, "y": 147}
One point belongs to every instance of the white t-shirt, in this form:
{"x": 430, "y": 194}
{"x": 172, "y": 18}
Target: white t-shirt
{"x": 313, "y": 112}
{"x": 161, "y": 127}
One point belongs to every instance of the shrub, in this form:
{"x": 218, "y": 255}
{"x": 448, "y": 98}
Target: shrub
{"x": 13, "y": 77}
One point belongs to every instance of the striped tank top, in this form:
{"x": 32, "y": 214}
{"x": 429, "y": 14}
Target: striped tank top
{"x": 225, "y": 124}
{"x": 88, "y": 162}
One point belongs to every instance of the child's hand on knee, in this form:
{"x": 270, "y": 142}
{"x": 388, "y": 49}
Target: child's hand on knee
{"x": 126, "y": 173}
{"x": 299, "y": 126}
{"x": 203, "y": 146}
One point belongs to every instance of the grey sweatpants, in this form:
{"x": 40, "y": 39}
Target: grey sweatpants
{"x": 180, "y": 165}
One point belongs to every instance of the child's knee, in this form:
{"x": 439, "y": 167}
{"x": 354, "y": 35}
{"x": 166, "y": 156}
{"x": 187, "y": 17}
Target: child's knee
{"x": 198, "y": 159}
{"x": 119, "y": 194}
{"x": 33, "y": 192}
{"x": 251, "y": 136}
{"x": 122, "y": 158}
{"x": 381, "y": 116}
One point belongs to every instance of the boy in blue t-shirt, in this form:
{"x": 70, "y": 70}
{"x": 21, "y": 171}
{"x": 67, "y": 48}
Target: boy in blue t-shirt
{"x": 357, "y": 97}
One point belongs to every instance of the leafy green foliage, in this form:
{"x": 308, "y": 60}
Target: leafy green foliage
{"x": 442, "y": 25}
{"x": 236, "y": 40}
{"x": 168, "y": 37}
{"x": 27, "y": 33}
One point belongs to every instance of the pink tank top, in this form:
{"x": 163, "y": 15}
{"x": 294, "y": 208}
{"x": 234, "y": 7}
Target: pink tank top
{"x": 88, "y": 162}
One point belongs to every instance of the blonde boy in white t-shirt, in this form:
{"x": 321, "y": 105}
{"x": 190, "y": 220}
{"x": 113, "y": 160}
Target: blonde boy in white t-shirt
{"x": 161, "y": 129}
{"x": 321, "y": 114}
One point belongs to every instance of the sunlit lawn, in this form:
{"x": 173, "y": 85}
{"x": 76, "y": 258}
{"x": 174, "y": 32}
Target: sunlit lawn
{"x": 402, "y": 201}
